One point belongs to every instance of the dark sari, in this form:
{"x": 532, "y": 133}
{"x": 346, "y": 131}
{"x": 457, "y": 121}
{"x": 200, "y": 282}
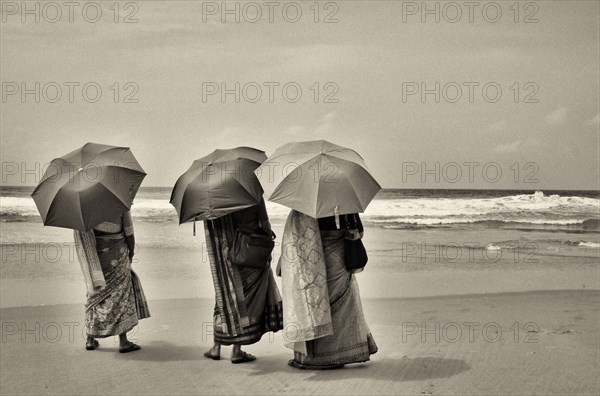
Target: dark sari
{"x": 248, "y": 303}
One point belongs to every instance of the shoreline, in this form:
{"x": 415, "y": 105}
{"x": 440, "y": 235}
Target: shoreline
{"x": 374, "y": 299}
{"x": 41, "y": 268}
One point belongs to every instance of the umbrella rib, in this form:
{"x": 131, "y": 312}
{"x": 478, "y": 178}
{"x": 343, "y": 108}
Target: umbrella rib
{"x": 207, "y": 196}
{"x": 80, "y": 211}
{"x": 128, "y": 204}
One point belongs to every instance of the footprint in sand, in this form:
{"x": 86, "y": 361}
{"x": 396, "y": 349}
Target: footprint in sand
{"x": 565, "y": 331}
{"x": 428, "y": 390}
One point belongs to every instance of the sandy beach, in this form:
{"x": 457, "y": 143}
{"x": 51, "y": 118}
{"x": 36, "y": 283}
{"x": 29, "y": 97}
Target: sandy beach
{"x": 511, "y": 343}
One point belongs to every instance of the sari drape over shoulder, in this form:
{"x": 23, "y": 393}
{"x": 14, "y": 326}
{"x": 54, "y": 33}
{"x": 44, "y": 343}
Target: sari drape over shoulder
{"x": 306, "y": 306}
{"x": 248, "y": 303}
{"x": 85, "y": 244}
{"x": 117, "y": 302}
{"x": 321, "y": 298}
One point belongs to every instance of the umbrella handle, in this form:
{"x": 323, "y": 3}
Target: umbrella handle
{"x": 194, "y": 226}
{"x": 336, "y": 212}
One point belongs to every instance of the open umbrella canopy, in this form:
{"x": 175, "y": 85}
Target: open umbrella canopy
{"x": 218, "y": 184}
{"x": 318, "y": 178}
{"x": 88, "y": 186}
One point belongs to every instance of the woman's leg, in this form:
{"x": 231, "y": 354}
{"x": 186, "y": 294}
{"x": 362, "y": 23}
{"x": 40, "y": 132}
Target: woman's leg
{"x": 125, "y": 345}
{"x": 91, "y": 343}
{"x": 239, "y": 356}
{"x": 214, "y": 353}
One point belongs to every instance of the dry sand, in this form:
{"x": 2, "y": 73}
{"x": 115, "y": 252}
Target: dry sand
{"x": 520, "y": 343}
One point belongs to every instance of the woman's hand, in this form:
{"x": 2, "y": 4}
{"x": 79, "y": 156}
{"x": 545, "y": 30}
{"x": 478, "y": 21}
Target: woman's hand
{"x": 266, "y": 226}
{"x": 130, "y": 240}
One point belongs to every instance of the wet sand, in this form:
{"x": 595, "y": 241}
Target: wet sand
{"x": 172, "y": 264}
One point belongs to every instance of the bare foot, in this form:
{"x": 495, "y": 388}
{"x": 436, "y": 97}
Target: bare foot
{"x": 129, "y": 347}
{"x": 242, "y": 357}
{"x": 213, "y": 353}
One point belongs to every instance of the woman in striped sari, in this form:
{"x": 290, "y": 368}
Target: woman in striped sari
{"x": 115, "y": 299}
{"x": 323, "y": 315}
{"x": 248, "y": 303}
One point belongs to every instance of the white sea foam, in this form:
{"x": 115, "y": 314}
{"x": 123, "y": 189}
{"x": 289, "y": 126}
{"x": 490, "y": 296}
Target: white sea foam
{"x": 493, "y": 247}
{"x": 590, "y": 244}
{"x": 534, "y": 208}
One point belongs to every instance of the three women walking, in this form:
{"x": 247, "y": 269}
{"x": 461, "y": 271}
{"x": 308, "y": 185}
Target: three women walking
{"x": 321, "y": 308}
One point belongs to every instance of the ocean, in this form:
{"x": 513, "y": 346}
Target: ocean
{"x": 461, "y": 241}
{"x": 391, "y": 208}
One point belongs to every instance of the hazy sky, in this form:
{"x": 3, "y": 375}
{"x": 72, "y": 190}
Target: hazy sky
{"x": 373, "y": 57}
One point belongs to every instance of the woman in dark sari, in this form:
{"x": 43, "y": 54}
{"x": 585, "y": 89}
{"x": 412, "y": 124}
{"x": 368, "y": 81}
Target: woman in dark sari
{"x": 248, "y": 303}
{"x": 115, "y": 299}
{"x": 321, "y": 300}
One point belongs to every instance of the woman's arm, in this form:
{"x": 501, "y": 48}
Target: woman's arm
{"x": 128, "y": 230}
{"x": 359, "y": 226}
{"x": 263, "y": 216}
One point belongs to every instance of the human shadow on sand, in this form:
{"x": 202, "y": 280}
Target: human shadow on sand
{"x": 163, "y": 351}
{"x": 385, "y": 369}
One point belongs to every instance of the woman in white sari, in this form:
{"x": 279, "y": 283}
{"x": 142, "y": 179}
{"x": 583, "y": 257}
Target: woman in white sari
{"x": 323, "y": 318}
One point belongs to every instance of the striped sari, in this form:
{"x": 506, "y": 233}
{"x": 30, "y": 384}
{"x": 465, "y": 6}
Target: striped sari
{"x": 248, "y": 303}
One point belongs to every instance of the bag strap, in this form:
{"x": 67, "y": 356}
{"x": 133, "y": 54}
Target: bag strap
{"x": 246, "y": 231}
{"x": 356, "y": 225}
{"x": 354, "y": 222}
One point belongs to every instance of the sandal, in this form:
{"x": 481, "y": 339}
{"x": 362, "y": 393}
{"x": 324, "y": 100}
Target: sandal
{"x": 91, "y": 346}
{"x": 246, "y": 357}
{"x": 130, "y": 348}
{"x": 294, "y": 364}
{"x": 209, "y": 355}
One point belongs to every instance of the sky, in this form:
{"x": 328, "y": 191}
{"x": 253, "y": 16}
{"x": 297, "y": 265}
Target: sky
{"x": 511, "y": 93}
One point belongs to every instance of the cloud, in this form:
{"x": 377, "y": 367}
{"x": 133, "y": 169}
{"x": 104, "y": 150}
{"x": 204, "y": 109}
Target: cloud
{"x": 329, "y": 116}
{"x": 497, "y": 126}
{"x": 594, "y": 121}
{"x": 325, "y": 126}
{"x": 508, "y": 147}
{"x": 230, "y": 131}
{"x": 293, "y": 130}
{"x": 557, "y": 116}
{"x": 313, "y": 58}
